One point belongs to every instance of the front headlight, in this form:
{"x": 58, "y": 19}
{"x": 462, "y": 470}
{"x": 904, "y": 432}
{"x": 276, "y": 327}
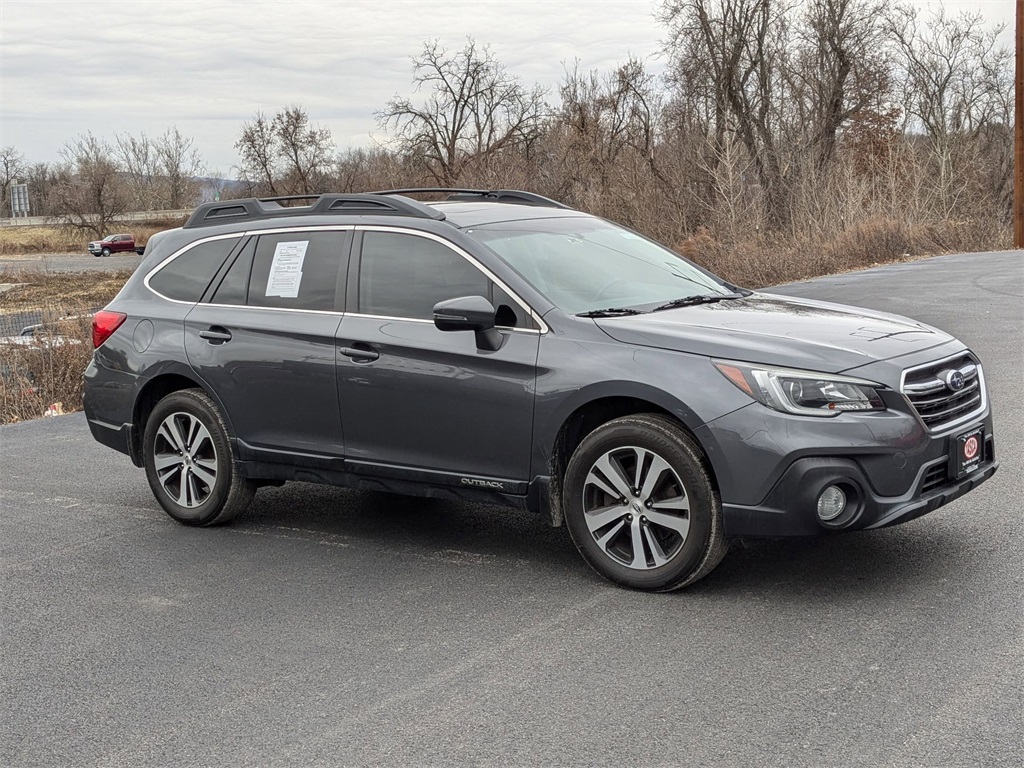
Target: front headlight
{"x": 804, "y": 392}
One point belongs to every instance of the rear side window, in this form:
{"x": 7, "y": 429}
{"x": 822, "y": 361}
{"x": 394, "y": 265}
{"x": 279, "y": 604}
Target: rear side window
{"x": 186, "y": 278}
{"x": 298, "y": 270}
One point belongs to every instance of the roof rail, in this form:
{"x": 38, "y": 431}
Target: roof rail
{"x": 209, "y": 214}
{"x": 485, "y": 195}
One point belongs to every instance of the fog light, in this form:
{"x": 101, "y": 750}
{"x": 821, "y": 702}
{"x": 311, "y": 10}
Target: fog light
{"x": 831, "y": 503}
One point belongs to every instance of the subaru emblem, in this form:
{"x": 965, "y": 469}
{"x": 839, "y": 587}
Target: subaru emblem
{"x": 954, "y": 380}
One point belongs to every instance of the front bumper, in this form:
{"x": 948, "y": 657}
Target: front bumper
{"x": 772, "y": 467}
{"x": 790, "y": 508}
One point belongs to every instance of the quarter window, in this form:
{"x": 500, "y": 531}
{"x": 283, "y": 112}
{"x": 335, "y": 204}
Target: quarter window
{"x": 234, "y": 286}
{"x": 186, "y": 277}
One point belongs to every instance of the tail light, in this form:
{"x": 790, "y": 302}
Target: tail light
{"x": 105, "y": 323}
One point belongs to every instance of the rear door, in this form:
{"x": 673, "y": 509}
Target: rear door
{"x": 264, "y": 339}
{"x": 426, "y": 402}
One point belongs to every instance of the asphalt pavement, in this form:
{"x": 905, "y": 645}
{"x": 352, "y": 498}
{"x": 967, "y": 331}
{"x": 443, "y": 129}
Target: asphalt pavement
{"x": 332, "y": 627}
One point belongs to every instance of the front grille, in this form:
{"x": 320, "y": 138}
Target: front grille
{"x": 935, "y": 477}
{"x": 935, "y": 401}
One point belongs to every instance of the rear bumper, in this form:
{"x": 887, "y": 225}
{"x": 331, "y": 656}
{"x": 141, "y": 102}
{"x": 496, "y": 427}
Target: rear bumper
{"x": 120, "y": 437}
{"x": 791, "y": 507}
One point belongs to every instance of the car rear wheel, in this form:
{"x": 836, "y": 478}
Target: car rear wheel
{"x": 641, "y": 507}
{"x": 189, "y": 462}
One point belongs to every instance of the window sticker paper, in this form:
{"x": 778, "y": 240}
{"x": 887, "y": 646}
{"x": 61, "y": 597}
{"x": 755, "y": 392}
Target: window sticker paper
{"x": 286, "y": 269}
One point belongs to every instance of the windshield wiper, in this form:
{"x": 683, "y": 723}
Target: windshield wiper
{"x": 704, "y": 298}
{"x": 610, "y": 312}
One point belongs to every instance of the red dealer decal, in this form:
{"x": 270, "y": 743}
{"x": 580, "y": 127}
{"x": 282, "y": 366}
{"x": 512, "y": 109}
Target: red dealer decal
{"x": 971, "y": 447}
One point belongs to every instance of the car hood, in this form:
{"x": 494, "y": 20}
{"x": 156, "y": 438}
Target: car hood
{"x": 778, "y": 330}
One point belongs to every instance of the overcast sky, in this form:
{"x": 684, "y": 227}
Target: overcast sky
{"x": 206, "y": 66}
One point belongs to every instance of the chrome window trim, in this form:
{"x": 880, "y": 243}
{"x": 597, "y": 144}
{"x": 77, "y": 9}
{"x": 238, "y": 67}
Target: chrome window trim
{"x": 953, "y": 426}
{"x": 149, "y": 275}
{"x": 391, "y": 318}
{"x": 334, "y": 312}
{"x": 241, "y": 236}
{"x": 543, "y": 327}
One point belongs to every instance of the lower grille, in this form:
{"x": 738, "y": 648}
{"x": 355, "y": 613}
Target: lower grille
{"x": 935, "y": 477}
{"x": 932, "y": 390}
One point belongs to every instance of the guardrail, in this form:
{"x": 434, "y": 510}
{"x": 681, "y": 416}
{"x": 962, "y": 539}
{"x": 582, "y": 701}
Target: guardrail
{"x": 39, "y": 221}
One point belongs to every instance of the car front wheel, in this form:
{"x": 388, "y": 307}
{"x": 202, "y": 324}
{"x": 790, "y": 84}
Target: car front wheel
{"x": 641, "y": 507}
{"x": 106, "y": 251}
{"x": 189, "y": 463}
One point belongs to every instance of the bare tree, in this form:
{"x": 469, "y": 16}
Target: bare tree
{"x": 357, "y": 170}
{"x": 136, "y": 157}
{"x": 304, "y": 151}
{"x": 957, "y": 86}
{"x": 42, "y": 179}
{"x": 608, "y": 158}
{"x": 257, "y": 166}
{"x": 778, "y": 77}
{"x": 159, "y": 173}
{"x": 178, "y": 163}
{"x": 841, "y": 55}
{"x": 90, "y": 194}
{"x": 284, "y": 154}
{"x": 473, "y": 112}
{"x": 12, "y": 168}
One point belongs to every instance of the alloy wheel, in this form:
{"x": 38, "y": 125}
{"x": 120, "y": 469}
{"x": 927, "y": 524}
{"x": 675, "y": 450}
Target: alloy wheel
{"x": 185, "y": 459}
{"x": 636, "y": 507}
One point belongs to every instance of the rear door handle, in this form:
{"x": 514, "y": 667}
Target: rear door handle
{"x": 216, "y": 335}
{"x": 358, "y": 355}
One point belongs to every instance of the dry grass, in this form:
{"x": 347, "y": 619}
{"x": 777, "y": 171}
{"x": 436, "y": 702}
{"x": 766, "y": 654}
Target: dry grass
{"x": 47, "y": 368}
{"x": 39, "y": 290}
{"x": 46, "y": 373}
{"x": 18, "y": 241}
{"x": 757, "y": 262}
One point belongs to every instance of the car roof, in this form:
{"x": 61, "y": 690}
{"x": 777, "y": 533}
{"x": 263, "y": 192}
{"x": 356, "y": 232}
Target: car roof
{"x": 463, "y": 208}
{"x": 475, "y": 214}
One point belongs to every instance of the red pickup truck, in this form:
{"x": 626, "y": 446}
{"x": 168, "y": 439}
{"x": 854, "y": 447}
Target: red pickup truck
{"x": 114, "y": 244}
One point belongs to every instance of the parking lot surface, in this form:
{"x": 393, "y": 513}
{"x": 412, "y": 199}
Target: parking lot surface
{"x": 332, "y": 627}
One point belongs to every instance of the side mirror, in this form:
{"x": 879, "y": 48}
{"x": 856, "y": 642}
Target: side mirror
{"x": 469, "y": 313}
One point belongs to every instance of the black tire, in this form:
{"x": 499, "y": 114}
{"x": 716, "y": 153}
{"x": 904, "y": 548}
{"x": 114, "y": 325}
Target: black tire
{"x": 181, "y": 480}
{"x": 676, "y": 517}
{"x": 106, "y": 251}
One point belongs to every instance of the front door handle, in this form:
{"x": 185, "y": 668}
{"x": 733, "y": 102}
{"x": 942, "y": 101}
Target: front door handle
{"x": 360, "y": 355}
{"x": 216, "y": 335}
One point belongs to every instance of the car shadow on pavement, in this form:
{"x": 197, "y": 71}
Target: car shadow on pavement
{"x": 894, "y": 560}
{"x": 379, "y": 518}
{"x": 904, "y": 559}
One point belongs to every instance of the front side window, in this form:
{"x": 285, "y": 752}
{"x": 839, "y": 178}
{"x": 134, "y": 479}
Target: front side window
{"x": 405, "y": 276}
{"x": 583, "y": 264}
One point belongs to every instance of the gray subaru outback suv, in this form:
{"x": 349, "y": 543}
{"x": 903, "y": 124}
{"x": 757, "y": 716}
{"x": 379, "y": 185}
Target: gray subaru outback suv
{"x": 501, "y": 347}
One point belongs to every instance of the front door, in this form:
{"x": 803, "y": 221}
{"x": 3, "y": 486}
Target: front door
{"x": 416, "y": 398}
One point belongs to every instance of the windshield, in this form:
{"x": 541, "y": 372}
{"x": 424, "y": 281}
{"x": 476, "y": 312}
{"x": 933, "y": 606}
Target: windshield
{"x": 585, "y": 264}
